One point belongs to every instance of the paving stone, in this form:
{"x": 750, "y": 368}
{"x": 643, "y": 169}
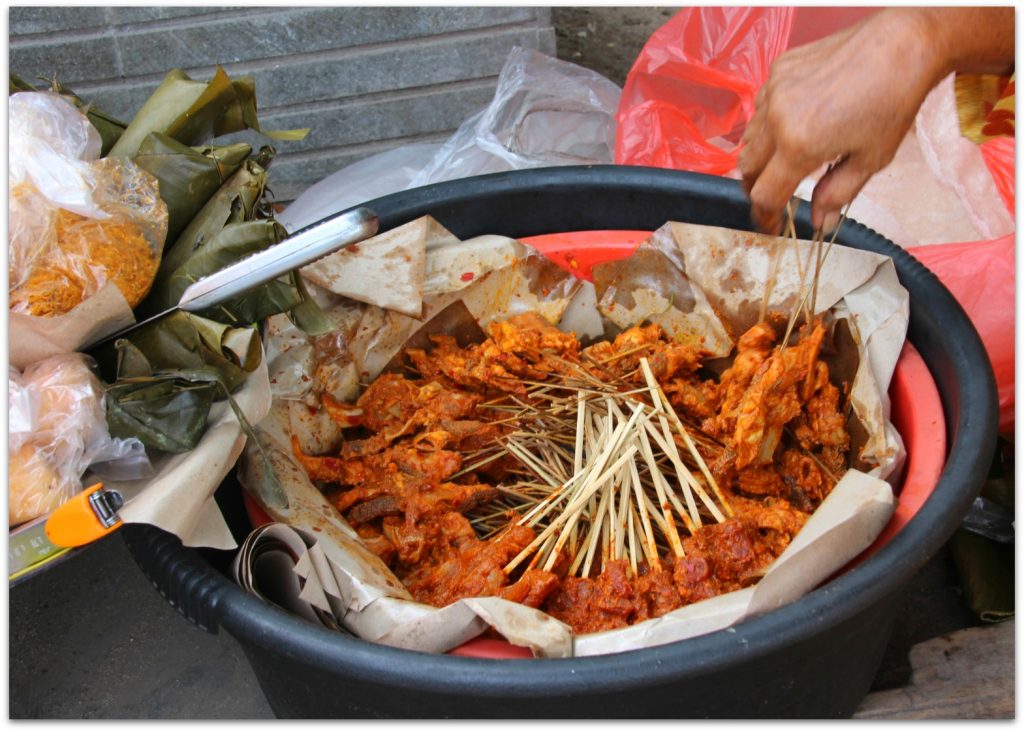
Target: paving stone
{"x": 441, "y": 61}
{"x": 26, "y": 20}
{"x": 316, "y": 79}
{"x": 361, "y": 122}
{"x": 291, "y": 33}
{"x": 122, "y": 15}
{"x": 72, "y": 61}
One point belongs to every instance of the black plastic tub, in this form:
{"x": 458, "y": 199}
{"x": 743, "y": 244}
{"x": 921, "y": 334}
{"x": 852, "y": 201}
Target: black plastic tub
{"x": 815, "y": 658}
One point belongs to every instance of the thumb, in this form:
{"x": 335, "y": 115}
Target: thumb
{"x": 835, "y": 189}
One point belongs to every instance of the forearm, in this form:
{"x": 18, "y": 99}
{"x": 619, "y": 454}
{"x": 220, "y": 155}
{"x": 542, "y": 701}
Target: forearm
{"x": 974, "y": 40}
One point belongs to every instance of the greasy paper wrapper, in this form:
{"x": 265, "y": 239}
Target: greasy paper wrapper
{"x": 31, "y": 339}
{"x": 684, "y": 278}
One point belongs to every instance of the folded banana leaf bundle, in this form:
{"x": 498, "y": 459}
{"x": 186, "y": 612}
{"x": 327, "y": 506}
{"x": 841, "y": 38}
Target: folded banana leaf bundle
{"x": 161, "y": 380}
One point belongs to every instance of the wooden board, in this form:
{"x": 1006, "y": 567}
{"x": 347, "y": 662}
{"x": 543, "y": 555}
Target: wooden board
{"x": 967, "y": 674}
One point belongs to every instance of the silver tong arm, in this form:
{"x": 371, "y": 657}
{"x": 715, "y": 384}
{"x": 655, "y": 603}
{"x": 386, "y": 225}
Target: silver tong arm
{"x": 299, "y": 249}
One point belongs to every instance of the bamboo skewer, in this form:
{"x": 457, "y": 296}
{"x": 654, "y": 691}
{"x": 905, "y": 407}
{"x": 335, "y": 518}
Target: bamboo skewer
{"x": 572, "y": 512}
{"x": 631, "y": 533}
{"x": 661, "y": 401}
{"x": 589, "y": 487}
{"x": 608, "y": 469}
{"x": 780, "y": 248}
{"x": 645, "y": 518}
{"x": 595, "y": 467}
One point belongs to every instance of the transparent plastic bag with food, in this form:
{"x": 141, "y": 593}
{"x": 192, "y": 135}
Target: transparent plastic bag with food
{"x": 57, "y": 429}
{"x": 77, "y": 221}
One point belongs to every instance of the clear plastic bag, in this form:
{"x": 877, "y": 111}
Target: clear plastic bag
{"x": 961, "y": 165}
{"x": 57, "y": 429}
{"x": 369, "y": 178}
{"x": 544, "y": 112}
{"x": 76, "y": 222}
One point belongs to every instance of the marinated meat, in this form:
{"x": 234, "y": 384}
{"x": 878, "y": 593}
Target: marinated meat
{"x": 463, "y": 566}
{"x": 595, "y": 605}
{"x": 752, "y": 350}
{"x": 410, "y": 474}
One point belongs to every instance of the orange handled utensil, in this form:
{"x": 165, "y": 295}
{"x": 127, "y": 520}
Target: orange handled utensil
{"x": 88, "y": 516}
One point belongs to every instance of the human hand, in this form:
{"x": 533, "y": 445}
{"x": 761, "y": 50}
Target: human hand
{"x": 848, "y": 99}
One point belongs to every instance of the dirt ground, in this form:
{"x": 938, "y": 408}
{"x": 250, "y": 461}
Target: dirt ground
{"x": 606, "y": 39}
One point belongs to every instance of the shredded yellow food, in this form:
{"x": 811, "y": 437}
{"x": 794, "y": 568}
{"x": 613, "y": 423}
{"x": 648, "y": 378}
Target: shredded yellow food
{"x": 87, "y": 254}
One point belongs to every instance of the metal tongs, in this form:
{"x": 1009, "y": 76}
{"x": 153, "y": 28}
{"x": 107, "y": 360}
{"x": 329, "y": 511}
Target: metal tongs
{"x": 301, "y": 248}
{"x": 93, "y": 513}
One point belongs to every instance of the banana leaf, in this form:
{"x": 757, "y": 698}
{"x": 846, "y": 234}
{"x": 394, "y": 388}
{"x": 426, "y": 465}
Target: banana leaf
{"x": 983, "y": 547}
{"x": 132, "y": 362}
{"x": 224, "y": 106}
{"x": 163, "y": 412}
{"x": 186, "y": 342}
{"x": 193, "y": 111}
{"x": 176, "y": 96}
{"x": 308, "y": 315}
{"x": 169, "y": 410}
{"x": 234, "y": 242}
{"x": 236, "y": 201}
{"x": 16, "y": 84}
{"x": 190, "y": 111}
{"x": 188, "y": 176}
{"x": 110, "y": 128}
{"x": 986, "y": 570}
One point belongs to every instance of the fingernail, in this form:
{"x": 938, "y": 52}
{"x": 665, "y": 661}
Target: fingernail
{"x": 830, "y": 222}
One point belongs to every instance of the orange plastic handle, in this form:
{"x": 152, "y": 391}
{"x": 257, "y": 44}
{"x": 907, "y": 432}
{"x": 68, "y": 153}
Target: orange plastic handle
{"x": 75, "y": 523}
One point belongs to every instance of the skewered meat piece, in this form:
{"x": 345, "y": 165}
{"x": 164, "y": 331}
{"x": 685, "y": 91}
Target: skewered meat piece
{"x": 620, "y": 358}
{"x": 808, "y": 484}
{"x": 752, "y": 350}
{"x": 375, "y": 540}
{"x": 693, "y": 397}
{"x": 656, "y": 594}
{"x": 463, "y": 566}
{"x": 530, "y": 336}
{"x": 329, "y": 469}
{"x": 518, "y": 348}
{"x": 387, "y": 403}
{"x": 772, "y": 400}
{"x": 595, "y": 605}
{"x": 822, "y": 424}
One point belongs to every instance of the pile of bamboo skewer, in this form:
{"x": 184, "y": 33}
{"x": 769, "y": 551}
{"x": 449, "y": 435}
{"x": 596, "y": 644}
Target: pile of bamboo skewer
{"x": 609, "y": 469}
{"x": 610, "y": 473}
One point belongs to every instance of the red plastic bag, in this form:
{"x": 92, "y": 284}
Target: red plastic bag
{"x": 691, "y": 91}
{"x": 980, "y": 274}
{"x": 999, "y": 154}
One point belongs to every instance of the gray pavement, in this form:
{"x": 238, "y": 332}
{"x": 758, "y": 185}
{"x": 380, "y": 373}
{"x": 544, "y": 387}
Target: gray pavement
{"x": 91, "y": 638}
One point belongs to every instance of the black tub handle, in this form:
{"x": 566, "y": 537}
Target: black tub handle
{"x": 180, "y": 574}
